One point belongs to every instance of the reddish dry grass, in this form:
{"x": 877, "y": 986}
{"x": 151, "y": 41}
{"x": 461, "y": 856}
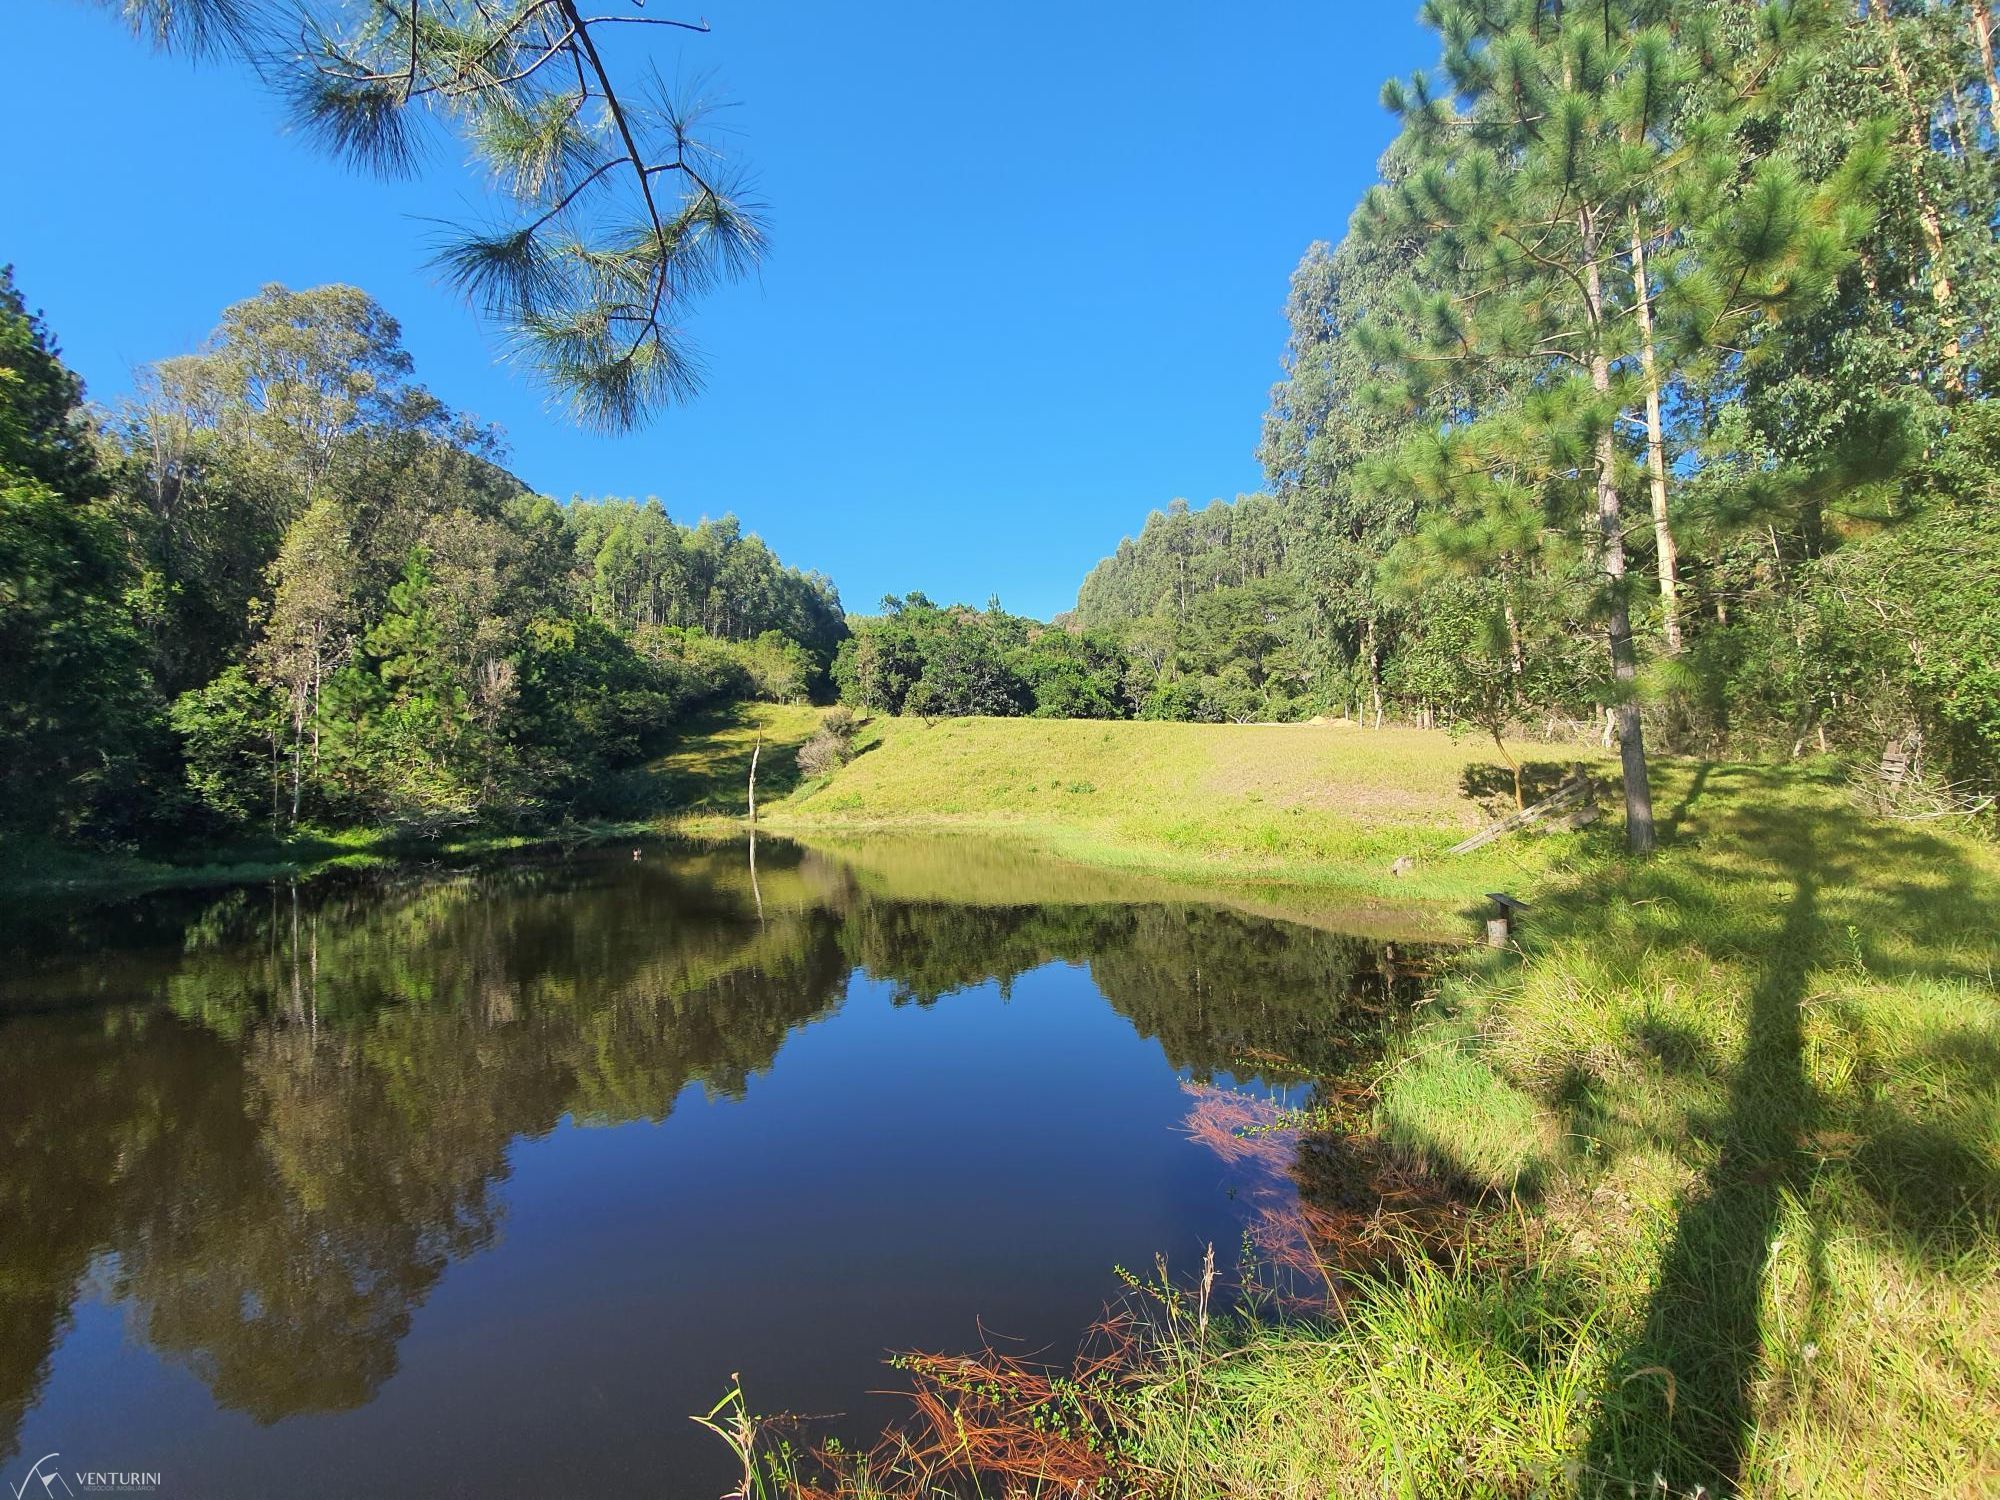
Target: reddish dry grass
{"x": 986, "y": 1417}
{"x": 1324, "y": 1202}
{"x": 993, "y": 1416}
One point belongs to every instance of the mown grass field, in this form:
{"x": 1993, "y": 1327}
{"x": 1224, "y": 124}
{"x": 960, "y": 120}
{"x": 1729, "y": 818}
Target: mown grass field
{"x": 1315, "y": 805}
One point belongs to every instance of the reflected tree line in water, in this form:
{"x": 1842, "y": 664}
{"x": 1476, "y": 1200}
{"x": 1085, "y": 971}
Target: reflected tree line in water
{"x": 298, "y": 1115}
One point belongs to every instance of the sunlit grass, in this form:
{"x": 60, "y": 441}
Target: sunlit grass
{"x": 1448, "y": 1106}
{"x": 707, "y": 772}
{"x": 1325, "y": 804}
{"x": 1759, "y": 1080}
{"x": 1733, "y": 1114}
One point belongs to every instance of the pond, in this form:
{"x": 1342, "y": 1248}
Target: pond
{"x": 480, "y": 1182}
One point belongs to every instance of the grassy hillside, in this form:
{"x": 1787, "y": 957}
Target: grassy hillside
{"x": 1323, "y": 809}
{"x": 1317, "y": 804}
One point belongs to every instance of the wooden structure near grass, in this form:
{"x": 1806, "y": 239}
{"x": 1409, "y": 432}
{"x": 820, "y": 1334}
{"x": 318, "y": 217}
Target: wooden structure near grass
{"x": 1578, "y": 793}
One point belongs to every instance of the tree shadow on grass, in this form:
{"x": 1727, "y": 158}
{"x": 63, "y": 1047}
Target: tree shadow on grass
{"x": 708, "y": 768}
{"x": 1670, "y": 826}
{"x": 1702, "y": 1322}
{"x": 1682, "y": 1400}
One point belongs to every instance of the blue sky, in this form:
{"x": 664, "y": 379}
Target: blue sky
{"x": 1026, "y": 281}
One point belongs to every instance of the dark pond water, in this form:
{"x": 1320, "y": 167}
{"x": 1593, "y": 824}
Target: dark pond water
{"x": 479, "y": 1184}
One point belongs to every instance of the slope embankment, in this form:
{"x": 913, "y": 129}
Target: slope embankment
{"x": 1331, "y": 805}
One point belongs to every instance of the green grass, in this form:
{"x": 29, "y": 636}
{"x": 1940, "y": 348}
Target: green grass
{"x": 1331, "y": 805}
{"x": 1734, "y": 1111}
{"x": 1322, "y": 811}
{"x": 1442, "y": 1385}
{"x": 1450, "y": 1108}
{"x": 1750, "y": 1093}
{"x": 1736, "y": 1108}
{"x": 707, "y": 772}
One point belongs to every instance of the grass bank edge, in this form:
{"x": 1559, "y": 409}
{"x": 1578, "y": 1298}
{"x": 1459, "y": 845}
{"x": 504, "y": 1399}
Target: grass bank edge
{"x": 1325, "y": 807}
{"x": 38, "y": 869}
{"x": 1740, "y": 1106}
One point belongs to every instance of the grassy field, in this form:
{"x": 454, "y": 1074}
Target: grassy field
{"x": 1324, "y": 809}
{"x": 1313, "y": 805}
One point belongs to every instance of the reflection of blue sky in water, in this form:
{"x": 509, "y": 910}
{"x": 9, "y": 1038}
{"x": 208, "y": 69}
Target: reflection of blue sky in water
{"x": 505, "y": 1176}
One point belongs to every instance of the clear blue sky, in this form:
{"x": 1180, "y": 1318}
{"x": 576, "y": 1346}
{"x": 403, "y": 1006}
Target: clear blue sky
{"x": 1026, "y": 282}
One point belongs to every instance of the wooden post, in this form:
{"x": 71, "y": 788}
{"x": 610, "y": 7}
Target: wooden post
{"x": 1501, "y": 928}
{"x": 1895, "y": 764}
{"x": 756, "y": 750}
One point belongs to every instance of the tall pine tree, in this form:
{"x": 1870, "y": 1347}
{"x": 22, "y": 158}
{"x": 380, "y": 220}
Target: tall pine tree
{"x": 1554, "y": 148}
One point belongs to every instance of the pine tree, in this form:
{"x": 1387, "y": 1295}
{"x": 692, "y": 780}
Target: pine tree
{"x": 76, "y": 711}
{"x": 615, "y": 207}
{"x": 1557, "y": 146}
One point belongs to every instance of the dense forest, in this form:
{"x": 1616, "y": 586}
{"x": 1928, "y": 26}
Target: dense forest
{"x": 1192, "y": 621}
{"x": 1674, "y": 420}
{"x": 285, "y": 585}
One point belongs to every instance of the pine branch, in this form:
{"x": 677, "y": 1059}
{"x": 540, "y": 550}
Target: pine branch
{"x": 582, "y": 292}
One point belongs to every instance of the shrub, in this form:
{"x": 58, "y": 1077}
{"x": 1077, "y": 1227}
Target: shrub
{"x": 823, "y": 754}
{"x": 832, "y": 746}
{"x": 227, "y": 731}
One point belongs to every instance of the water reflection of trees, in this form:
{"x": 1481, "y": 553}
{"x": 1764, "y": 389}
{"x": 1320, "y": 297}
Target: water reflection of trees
{"x": 301, "y": 1115}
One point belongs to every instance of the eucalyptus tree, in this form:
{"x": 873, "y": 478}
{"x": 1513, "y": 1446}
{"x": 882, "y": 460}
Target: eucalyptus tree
{"x": 1883, "y": 365}
{"x": 615, "y": 209}
{"x": 1317, "y": 432}
{"x": 1547, "y": 132}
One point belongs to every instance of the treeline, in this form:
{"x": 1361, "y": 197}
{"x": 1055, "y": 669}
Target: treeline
{"x": 1204, "y": 604}
{"x": 1195, "y": 620}
{"x": 917, "y": 657}
{"x": 1652, "y": 381}
{"x": 285, "y": 585}
{"x": 1225, "y": 662}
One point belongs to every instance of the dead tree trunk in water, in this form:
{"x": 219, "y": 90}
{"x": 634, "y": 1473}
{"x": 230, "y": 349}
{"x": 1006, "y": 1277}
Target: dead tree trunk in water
{"x": 755, "y": 751}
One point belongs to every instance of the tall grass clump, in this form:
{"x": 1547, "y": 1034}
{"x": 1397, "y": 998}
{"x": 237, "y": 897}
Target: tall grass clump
{"x": 1447, "y": 1106}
